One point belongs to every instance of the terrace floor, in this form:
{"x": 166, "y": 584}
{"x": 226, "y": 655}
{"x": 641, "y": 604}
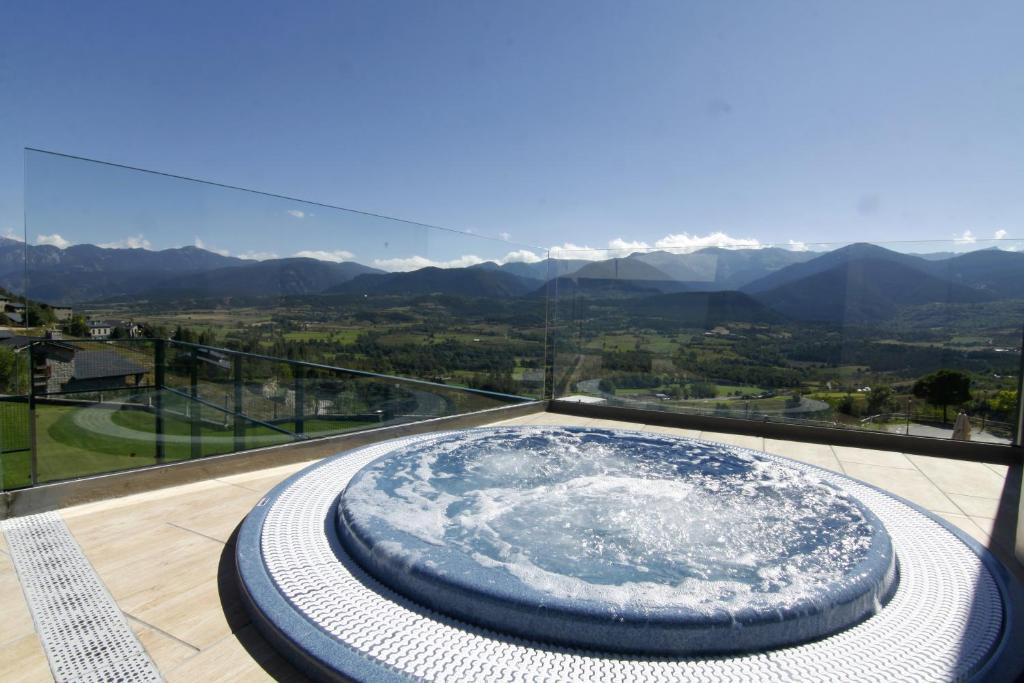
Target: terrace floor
{"x": 167, "y": 559}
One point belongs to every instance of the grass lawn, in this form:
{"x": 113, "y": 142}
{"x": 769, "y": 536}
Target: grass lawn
{"x": 76, "y": 442}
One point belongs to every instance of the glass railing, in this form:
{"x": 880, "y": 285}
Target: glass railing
{"x": 139, "y": 253}
{"x": 107, "y": 406}
{"x": 284, "y": 320}
{"x": 896, "y": 337}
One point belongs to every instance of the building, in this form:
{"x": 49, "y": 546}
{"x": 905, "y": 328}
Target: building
{"x": 62, "y": 313}
{"x": 95, "y": 371}
{"x": 100, "y": 329}
{"x": 104, "y": 329}
{"x": 62, "y": 367}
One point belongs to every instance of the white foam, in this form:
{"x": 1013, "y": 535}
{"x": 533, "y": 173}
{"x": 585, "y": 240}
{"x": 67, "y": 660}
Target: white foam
{"x": 697, "y": 526}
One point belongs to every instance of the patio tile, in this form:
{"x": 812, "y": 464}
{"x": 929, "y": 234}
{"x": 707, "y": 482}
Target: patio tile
{"x": 613, "y": 424}
{"x": 976, "y": 505}
{"x": 263, "y": 480}
{"x": 553, "y": 419}
{"x": 810, "y": 453}
{"x": 194, "y": 616}
{"x": 1001, "y": 470}
{"x": 958, "y": 476}
{"x": 218, "y": 518}
{"x": 521, "y": 420}
{"x": 742, "y": 440}
{"x": 969, "y": 525}
{"x": 24, "y": 660}
{"x": 165, "y": 651}
{"x": 242, "y": 656}
{"x": 16, "y": 621}
{"x": 262, "y": 485}
{"x": 987, "y": 524}
{"x": 866, "y": 456}
{"x": 672, "y": 431}
{"x": 909, "y": 484}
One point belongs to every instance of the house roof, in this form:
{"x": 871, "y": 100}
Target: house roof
{"x": 15, "y": 341}
{"x": 95, "y": 364}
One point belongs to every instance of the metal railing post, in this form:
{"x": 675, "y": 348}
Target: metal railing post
{"x": 33, "y": 444}
{"x": 239, "y": 407}
{"x": 195, "y": 408}
{"x": 300, "y": 398}
{"x": 159, "y": 379}
{"x": 1018, "y": 435}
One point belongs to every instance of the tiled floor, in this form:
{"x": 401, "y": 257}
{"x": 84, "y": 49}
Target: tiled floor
{"x": 167, "y": 556}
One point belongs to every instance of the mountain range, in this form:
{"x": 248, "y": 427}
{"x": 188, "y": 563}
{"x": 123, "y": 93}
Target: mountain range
{"x": 859, "y": 283}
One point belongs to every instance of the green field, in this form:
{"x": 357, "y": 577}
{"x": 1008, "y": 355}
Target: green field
{"x": 82, "y": 441}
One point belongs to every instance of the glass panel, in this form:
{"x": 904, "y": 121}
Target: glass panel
{"x": 93, "y": 411}
{"x": 15, "y": 447}
{"x": 897, "y": 337}
{"x": 282, "y": 319}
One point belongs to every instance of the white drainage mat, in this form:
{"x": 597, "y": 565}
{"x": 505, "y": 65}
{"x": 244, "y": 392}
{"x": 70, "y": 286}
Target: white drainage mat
{"x": 83, "y": 632}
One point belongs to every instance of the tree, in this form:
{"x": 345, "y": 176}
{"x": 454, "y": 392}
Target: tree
{"x": 39, "y": 315}
{"x": 1004, "y": 402}
{"x": 11, "y": 381}
{"x": 880, "y": 400}
{"x": 703, "y": 390}
{"x": 77, "y": 327}
{"x": 606, "y": 386}
{"x": 944, "y": 388}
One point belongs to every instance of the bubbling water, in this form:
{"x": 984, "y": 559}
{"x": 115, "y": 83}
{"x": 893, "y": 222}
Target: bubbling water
{"x": 622, "y": 519}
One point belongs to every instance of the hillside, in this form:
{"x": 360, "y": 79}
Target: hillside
{"x": 705, "y": 309}
{"x": 570, "y": 286}
{"x": 263, "y": 278}
{"x": 541, "y": 270}
{"x": 471, "y": 282}
{"x": 621, "y": 269}
{"x": 833, "y": 259}
{"x": 716, "y": 269}
{"x": 1000, "y": 273}
{"x": 865, "y": 290}
{"x": 83, "y": 271}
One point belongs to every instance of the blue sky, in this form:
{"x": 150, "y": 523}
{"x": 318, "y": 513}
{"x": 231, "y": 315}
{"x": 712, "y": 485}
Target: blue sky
{"x": 550, "y": 124}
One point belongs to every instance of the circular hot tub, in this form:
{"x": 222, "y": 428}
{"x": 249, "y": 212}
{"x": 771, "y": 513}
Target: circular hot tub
{"x": 623, "y": 542}
{"x": 554, "y": 553}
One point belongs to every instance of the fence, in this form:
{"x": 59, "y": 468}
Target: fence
{"x": 97, "y": 407}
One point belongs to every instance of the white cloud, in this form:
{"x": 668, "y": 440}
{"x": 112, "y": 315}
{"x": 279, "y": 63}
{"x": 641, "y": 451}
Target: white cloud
{"x": 337, "y": 255}
{"x": 684, "y": 242}
{"x": 54, "y": 240}
{"x": 521, "y": 256}
{"x": 794, "y": 245}
{"x": 680, "y": 243}
{"x": 295, "y": 213}
{"x": 402, "y": 265}
{"x": 1000, "y": 234}
{"x": 130, "y": 242}
{"x": 966, "y": 238}
{"x": 258, "y": 255}
{"x": 622, "y": 245}
{"x": 202, "y": 245}
{"x": 11, "y": 235}
{"x": 575, "y": 251}
{"x": 505, "y": 236}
